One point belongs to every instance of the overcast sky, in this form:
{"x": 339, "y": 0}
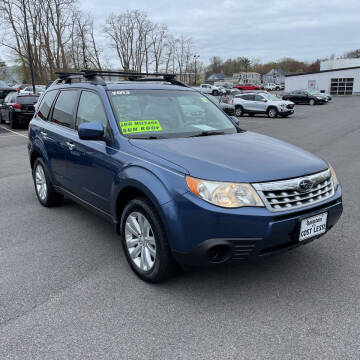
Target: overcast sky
{"x": 262, "y": 29}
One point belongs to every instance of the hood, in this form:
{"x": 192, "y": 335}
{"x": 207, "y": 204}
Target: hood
{"x": 241, "y": 157}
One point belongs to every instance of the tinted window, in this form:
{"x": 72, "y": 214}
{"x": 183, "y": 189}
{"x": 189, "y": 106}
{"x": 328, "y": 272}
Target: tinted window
{"x": 64, "y": 108}
{"x": 46, "y": 103}
{"x": 248, "y": 97}
{"x": 27, "y": 99}
{"x": 90, "y": 109}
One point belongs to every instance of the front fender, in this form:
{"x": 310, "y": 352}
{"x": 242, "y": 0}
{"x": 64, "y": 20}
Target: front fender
{"x": 160, "y": 187}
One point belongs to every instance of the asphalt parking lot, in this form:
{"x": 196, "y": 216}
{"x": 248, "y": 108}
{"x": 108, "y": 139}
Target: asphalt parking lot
{"x": 67, "y": 292}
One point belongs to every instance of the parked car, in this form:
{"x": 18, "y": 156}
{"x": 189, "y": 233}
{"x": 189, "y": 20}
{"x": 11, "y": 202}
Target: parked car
{"x": 18, "y": 109}
{"x": 208, "y": 89}
{"x": 39, "y": 89}
{"x": 226, "y": 107}
{"x": 4, "y": 90}
{"x": 179, "y": 191}
{"x": 304, "y": 97}
{"x": 262, "y": 103}
{"x": 20, "y": 87}
{"x": 271, "y": 86}
{"x": 248, "y": 87}
{"x": 318, "y": 93}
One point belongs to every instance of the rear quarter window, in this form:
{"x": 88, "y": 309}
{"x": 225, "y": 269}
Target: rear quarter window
{"x": 46, "y": 104}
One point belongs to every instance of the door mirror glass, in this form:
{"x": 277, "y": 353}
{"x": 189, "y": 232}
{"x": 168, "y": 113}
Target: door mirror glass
{"x": 91, "y": 131}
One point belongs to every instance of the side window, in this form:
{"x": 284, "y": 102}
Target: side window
{"x": 259, "y": 98}
{"x": 46, "y": 103}
{"x": 64, "y": 108}
{"x": 248, "y": 97}
{"x": 90, "y": 109}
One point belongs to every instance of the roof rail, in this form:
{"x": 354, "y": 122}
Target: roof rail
{"x": 93, "y": 77}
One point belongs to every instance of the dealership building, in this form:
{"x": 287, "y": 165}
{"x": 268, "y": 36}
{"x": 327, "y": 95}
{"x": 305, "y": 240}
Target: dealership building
{"x": 344, "y": 81}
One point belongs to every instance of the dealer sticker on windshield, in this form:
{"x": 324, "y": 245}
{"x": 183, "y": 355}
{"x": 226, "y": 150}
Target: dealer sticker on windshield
{"x": 313, "y": 226}
{"x": 129, "y": 127}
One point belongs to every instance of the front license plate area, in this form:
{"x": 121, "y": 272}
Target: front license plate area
{"x": 313, "y": 226}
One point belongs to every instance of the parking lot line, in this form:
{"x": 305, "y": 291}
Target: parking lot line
{"x": 4, "y": 128}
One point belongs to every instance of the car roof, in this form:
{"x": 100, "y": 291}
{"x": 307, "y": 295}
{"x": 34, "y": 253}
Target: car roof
{"x": 123, "y": 85}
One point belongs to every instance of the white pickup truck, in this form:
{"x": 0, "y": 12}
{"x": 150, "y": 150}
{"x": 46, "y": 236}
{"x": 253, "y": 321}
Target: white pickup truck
{"x": 208, "y": 89}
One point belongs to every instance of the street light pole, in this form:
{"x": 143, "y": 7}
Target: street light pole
{"x": 29, "y": 48}
{"x": 195, "y": 58}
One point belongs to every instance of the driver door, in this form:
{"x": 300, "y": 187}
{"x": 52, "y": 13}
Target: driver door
{"x": 92, "y": 166}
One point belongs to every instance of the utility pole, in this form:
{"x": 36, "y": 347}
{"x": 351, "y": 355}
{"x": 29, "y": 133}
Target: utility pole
{"x": 29, "y": 48}
{"x": 196, "y": 56}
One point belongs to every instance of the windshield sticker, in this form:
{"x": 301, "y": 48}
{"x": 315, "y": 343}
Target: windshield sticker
{"x": 204, "y": 127}
{"x": 122, "y": 92}
{"x": 204, "y": 99}
{"x": 129, "y": 127}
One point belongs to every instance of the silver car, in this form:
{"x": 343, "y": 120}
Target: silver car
{"x": 262, "y": 103}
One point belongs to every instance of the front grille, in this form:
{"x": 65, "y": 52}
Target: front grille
{"x": 287, "y": 194}
{"x": 290, "y": 106}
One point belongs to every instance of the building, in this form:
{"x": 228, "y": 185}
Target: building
{"x": 338, "y": 64}
{"x": 345, "y": 81}
{"x": 275, "y": 76}
{"x": 215, "y": 77}
{"x": 247, "y": 77}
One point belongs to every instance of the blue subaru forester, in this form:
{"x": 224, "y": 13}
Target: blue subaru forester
{"x": 180, "y": 181}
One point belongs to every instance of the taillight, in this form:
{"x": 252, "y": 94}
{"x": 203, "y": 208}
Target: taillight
{"x": 232, "y": 101}
{"x": 17, "y": 106}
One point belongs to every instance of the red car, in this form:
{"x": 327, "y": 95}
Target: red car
{"x": 248, "y": 87}
{"x": 21, "y": 87}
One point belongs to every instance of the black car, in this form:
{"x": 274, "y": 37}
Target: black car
{"x": 17, "y": 109}
{"x": 4, "y": 91}
{"x": 228, "y": 108}
{"x": 304, "y": 97}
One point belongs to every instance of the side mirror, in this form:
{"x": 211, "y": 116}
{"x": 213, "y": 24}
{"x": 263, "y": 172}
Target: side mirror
{"x": 235, "y": 121}
{"x": 91, "y": 131}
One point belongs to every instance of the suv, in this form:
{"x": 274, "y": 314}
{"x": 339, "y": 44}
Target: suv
{"x": 262, "y": 103}
{"x": 180, "y": 186}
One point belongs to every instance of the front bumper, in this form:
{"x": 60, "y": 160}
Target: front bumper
{"x": 286, "y": 111}
{"x": 201, "y": 234}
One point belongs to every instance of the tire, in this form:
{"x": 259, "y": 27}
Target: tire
{"x": 272, "y": 112}
{"x": 251, "y": 114}
{"x": 13, "y": 123}
{"x": 311, "y": 102}
{"x": 151, "y": 260}
{"x": 1, "y": 120}
{"x": 215, "y": 93}
{"x": 45, "y": 192}
{"x": 239, "y": 111}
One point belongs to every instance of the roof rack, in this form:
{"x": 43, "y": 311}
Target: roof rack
{"x": 93, "y": 77}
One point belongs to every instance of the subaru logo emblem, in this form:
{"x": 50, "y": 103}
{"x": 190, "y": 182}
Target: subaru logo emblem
{"x": 305, "y": 185}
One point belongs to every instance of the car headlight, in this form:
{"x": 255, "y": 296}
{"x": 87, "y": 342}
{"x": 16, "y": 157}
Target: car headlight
{"x": 333, "y": 177}
{"x": 224, "y": 194}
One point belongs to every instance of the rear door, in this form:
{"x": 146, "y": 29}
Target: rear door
{"x": 56, "y": 133}
{"x": 248, "y": 104}
{"x": 9, "y": 102}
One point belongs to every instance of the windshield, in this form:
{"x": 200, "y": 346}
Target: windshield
{"x": 164, "y": 114}
{"x": 271, "y": 97}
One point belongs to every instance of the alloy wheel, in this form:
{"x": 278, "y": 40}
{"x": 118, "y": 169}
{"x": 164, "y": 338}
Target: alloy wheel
{"x": 238, "y": 111}
{"x": 40, "y": 181}
{"x": 140, "y": 241}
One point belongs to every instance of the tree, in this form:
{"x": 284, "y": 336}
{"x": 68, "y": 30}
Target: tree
{"x": 353, "y": 54}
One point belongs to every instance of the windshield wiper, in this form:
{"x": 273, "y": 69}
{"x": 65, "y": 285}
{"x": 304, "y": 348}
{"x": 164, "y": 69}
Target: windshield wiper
{"x": 151, "y": 137}
{"x": 208, "y": 133}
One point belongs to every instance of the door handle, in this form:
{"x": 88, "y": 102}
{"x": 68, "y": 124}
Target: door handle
{"x": 70, "y": 145}
{"x": 43, "y": 133}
